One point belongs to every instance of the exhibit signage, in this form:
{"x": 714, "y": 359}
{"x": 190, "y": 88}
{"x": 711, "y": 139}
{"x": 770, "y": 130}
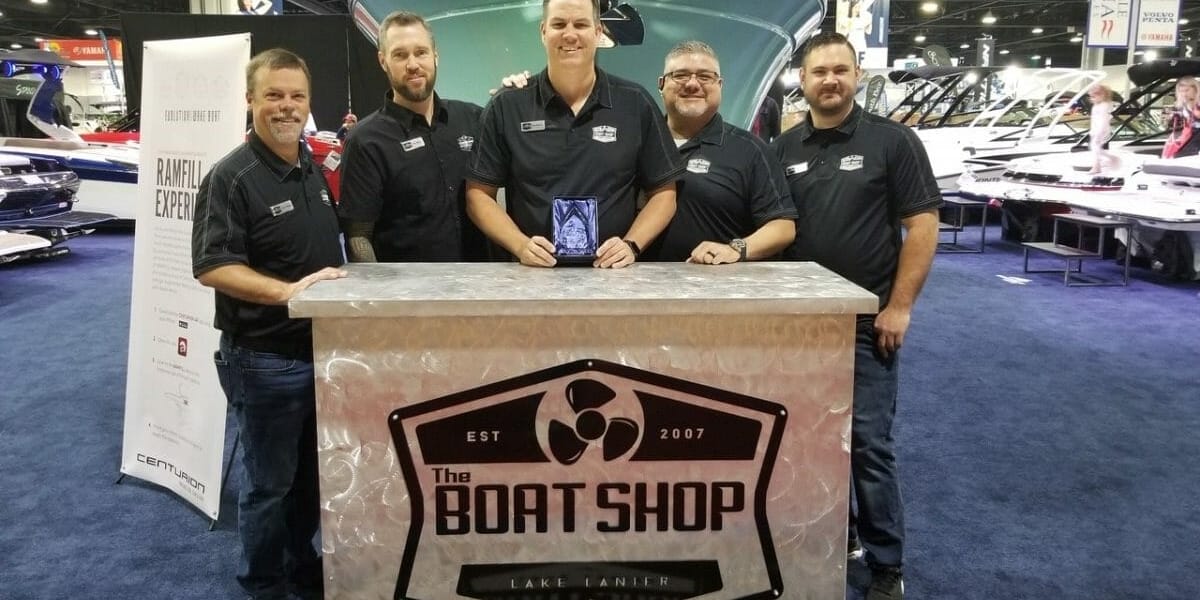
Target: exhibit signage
{"x": 84, "y": 50}
{"x": 865, "y": 24}
{"x": 1109, "y": 23}
{"x": 193, "y": 113}
{"x": 1158, "y": 23}
{"x": 589, "y": 478}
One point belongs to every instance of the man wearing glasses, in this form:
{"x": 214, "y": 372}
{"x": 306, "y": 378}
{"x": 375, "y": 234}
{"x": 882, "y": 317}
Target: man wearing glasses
{"x": 574, "y": 132}
{"x": 733, "y": 204}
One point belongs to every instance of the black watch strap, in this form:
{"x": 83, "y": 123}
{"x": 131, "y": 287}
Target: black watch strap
{"x": 637, "y": 250}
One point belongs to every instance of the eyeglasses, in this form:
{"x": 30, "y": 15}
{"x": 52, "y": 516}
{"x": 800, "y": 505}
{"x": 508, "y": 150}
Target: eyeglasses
{"x": 705, "y": 78}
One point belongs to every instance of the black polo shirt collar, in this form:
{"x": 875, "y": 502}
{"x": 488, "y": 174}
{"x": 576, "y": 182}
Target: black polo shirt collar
{"x": 279, "y": 167}
{"x": 713, "y": 134}
{"x": 409, "y": 119}
{"x": 846, "y": 127}
{"x": 601, "y": 91}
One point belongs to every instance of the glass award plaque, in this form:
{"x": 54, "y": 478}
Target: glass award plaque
{"x": 576, "y": 233}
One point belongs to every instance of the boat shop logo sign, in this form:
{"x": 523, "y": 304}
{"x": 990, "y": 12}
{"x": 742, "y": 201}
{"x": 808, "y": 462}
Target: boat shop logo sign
{"x": 589, "y": 479}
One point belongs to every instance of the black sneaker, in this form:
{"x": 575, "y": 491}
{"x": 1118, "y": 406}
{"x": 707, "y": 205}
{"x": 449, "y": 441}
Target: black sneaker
{"x": 854, "y": 549}
{"x": 887, "y": 583}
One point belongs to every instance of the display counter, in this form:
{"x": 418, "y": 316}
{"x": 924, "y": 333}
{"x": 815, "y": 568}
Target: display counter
{"x": 661, "y": 431}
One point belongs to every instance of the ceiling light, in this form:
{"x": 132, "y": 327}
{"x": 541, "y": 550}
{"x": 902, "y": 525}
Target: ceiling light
{"x": 39, "y": 39}
{"x": 91, "y": 32}
{"x": 1139, "y": 52}
{"x": 38, "y": 1}
{"x": 912, "y": 55}
{"x": 1036, "y": 57}
{"x": 15, "y": 46}
{"x": 988, "y": 18}
{"x": 919, "y": 38}
{"x": 1076, "y": 40}
{"x": 929, "y": 7}
{"x": 1004, "y": 51}
{"x": 965, "y": 46}
{"x": 1037, "y": 30}
{"x": 1184, "y": 21}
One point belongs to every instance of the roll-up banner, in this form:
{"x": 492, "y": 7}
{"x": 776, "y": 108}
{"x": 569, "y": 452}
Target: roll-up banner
{"x": 193, "y": 113}
{"x": 1109, "y": 23}
{"x": 1157, "y": 23}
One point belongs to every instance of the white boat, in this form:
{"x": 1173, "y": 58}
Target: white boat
{"x": 962, "y": 127}
{"x": 108, "y": 172}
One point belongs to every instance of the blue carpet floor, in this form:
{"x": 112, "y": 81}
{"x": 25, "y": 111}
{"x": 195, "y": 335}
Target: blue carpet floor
{"x": 1046, "y": 437}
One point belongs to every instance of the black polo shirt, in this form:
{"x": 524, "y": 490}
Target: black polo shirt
{"x": 532, "y": 145}
{"x": 254, "y": 209}
{"x": 731, "y": 186}
{"x": 406, "y": 176}
{"x": 852, "y": 185}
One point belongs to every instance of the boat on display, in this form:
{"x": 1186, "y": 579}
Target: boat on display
{"x": 978, "y": 118}
{"x": 1137, "y": 137}
{"x": 36, "y": 126}
{"x": 36, "y": 201}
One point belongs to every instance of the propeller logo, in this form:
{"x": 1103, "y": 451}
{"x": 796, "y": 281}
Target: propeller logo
{"x": 615, "y": 435}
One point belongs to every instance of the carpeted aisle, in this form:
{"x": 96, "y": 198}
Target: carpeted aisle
{"x": 1046, "y": 438}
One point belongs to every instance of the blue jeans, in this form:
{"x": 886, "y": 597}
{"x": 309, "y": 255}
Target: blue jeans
{"x": 273, "y": 398}
{"x": 879, "y": 522}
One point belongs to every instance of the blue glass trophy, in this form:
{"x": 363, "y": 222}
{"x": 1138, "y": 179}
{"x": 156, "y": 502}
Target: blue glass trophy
{"x": 576, "y": 233}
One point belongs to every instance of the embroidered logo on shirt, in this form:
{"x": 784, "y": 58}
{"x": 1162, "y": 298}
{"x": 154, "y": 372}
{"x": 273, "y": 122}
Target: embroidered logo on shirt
{"x": 852, "y": 162}
{"x": 413, "y": 144}
{"x": 325, "y": 198}
{"x": 527, "y": 126}
{"x": 465, "y": 143}
{"x": 604, "y": 134}
{"x": 698, "y": 165}
{"x": 795, "y": 169}
{"x": 282, "y": 208}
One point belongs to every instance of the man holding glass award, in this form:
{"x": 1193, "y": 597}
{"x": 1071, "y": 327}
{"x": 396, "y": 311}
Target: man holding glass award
{"x": 573, "y": 150}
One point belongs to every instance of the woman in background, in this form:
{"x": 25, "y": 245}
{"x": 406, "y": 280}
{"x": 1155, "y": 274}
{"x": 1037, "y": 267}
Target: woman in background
{"x": 1183, "y": 120}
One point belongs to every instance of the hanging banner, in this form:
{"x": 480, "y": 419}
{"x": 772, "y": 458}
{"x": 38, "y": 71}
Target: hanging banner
{"x": 1158, "y": 23}
{"x": 865, "y": 24}
{"x": 1109, "y": 23}
{"x": 193, "y": 113}
{"x": 84, "y": 50}
{"x": 984, "y": 48}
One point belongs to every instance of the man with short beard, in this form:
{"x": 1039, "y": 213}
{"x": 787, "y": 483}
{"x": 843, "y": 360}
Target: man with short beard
{"x": 402, "y": 194}
{"x": 860, "y": 183}
{"x": 733, "y": 204}
{"x": 264, "y": 230}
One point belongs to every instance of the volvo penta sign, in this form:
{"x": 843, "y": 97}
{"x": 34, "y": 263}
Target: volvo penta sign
{"x": 589, "y": 478}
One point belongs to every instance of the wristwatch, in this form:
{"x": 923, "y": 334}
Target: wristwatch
{"x": 637, "y": 250}
{"x": 740, "y": 245}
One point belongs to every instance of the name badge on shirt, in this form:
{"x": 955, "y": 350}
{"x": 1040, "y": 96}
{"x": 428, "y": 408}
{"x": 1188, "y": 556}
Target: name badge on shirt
{"x": 282, "y": 208}
{"x": 795, "y": 169}
{"x": 853, "y": 162}
{"x": 527, "y": 126}
{"x": 413, "y": 144}
{"x": 332, "y": 161}
{"x": 465, "y": 143}
{"x": 698, "y": 165}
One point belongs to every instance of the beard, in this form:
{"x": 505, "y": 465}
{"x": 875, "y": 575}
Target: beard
{"x": 690, "y": 107}
{"x": 829, "y": 106}
{"x": 286, "y": 132}
{"x": 404, "y": 91}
